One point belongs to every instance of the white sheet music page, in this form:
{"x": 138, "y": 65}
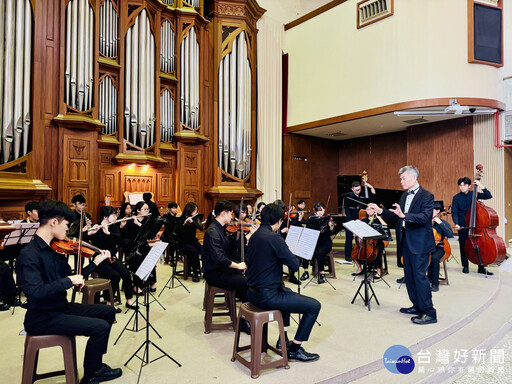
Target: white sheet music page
{"x": 150, "y": 260}
{"x": 292, "y": 238}
{"x": 302, "y": 241}
{"x": 361, "y": 229}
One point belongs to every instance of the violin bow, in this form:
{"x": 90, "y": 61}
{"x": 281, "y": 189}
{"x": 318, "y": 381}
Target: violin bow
{"x": 79, "y": 260}
{"x": 289, "y": 210}
{"x": 242, "y": 245}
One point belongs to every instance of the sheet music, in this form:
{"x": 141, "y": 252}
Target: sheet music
{"x": 150, "y": 260}
{"x": 23, "y": 234}
{"x": 361, "y": 229}
{"x": 302, "y": 241}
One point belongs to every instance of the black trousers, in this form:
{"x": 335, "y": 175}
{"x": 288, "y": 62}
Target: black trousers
{"x": 7, "y": 285}
{"x": 93, "y": 321}
{"x": 320, "y": 255}
{"x": 463, "y": 236}
{"x": 349, "y": 236}
{"x": 230, "y": 279}
{"x": 433, "y": 268}
{"x": 418, "y": 284}
{"x": 288, "y": 302}
{"x": 193, "y": 251}
{"x": 115, "y": 272}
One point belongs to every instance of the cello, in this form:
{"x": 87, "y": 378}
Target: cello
{"x": 483, "y": 246}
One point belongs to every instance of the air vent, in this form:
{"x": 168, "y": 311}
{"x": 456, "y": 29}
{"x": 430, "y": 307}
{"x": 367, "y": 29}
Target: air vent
{"x": 370, "y": 11}
{"x": 416, "y": 121}
{"x": 336, "y": 134}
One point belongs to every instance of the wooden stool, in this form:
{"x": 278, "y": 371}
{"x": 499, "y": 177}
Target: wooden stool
{"x": 229, "y": 306}
{"x": 183, "y": 256}
{"x": 332, "y": 267}
{"x": 259, "y": 320}
{"x": 32, "y": 346}
{"x": 445, "y": 280}
{"x": 91, "y": 287}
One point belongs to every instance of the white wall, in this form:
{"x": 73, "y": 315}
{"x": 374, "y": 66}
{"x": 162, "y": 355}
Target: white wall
{"x": 418, "y": 53}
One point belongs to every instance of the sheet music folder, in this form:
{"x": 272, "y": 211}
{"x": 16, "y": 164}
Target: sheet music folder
{"x": 23, "y": 233}
{"x": 363, "y": 230}
{"x": 302, "y": 241}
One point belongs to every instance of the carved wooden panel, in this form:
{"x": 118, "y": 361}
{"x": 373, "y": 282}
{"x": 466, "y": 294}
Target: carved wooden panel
{"x": 138, "y": 183}
{"x": 191, "y": 175}
{"x": 164, "y": 187}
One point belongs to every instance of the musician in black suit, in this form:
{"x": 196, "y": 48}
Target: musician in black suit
{"x": 414, "y": 213}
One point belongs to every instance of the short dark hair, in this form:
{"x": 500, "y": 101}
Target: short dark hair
{"x": 172, "y": 205}
{"x": 146, "y": 196}
{"x": 78, "y": 199}
{"x": 465, "y": 180}
{"x": 271, "y": 214}
{"x": 31, "y": 205}
{"x": 106, "y": 211}
{"x": 260, "y": 204}
{"x": 139, "y": 206}
{"x": 280, "y": 203}
{"x": 51, "y": 209}
{"x": 356, "y": 184}
{"x": 438, "y": 205}
{"x": 237, "y": 210}
{"x": 301, "y": 202}
{"x": 317, "y": 206}
{"x": 223, "y": 205}
{"x": 122, "y": 210}
{"x": 189, "y": 208}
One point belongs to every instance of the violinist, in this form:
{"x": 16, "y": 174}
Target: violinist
{"x": 322, "y": 222}
{"x": 79, "y": 203}
{"x": 297, "y": 215}
{"x": 235, "y": 247}
{"x": 219, "y": 269}
{"x": 108, "y": 236}
{"x": 45, "y": 276}
{"x": 352, "y": 209}
{"x": 187, "y": 240}
{"x": 443, "y": 229}
{"x": 461, "y": 203}
{"x": 370, "y": 219}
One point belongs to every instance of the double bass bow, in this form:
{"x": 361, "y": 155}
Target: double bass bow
{"x": 483, "y": 246}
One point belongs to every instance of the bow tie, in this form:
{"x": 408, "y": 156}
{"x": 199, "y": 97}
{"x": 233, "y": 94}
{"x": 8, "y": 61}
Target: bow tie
{"x": 410, "y": 192}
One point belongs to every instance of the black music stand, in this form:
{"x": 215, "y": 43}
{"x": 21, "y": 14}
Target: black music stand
{"x": 144, "y": 272}
{"x": 365, "y": 232}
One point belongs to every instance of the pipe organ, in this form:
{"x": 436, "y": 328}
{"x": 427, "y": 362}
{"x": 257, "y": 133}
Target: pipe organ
{"x": 108, "y": 29}
{"x": 79, "y": 55}
{"x": 94, "y": 112}
{"x": 140, "y": 83}
{"x": 190, "y": 80}
{"x": 107, "y": 112}
{"x": 15, "y": 78}
{"x": 234, "y": 111}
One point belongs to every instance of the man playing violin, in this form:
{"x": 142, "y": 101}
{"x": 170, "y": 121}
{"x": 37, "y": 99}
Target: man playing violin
{"x": 45, "y": 276}
{"x": 352, "y": 208}
{"x": 443, "y": 230}
{"x": 79, "y": 203}
{"x": 461, "y": 203}
{"x": 241, "y": 216}
{"x": 297, "y": 215}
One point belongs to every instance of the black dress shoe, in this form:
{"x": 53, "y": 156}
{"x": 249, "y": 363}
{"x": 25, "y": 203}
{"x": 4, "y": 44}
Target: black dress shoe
{"x": 357, "y": 273}
{"x": 118, "y": 310}
{"x": 302, "y": 355}
{"x": 104, "y": 374}
{"x": 321, "y": 278}
{"x": 401, "y": 280}
{"x": 4, "y": 307}
{"x": 195, "y": 278}
{"x": 278, "y": 344}
{"x": 245, "y": 326}
{"x": 409, "y": 311}
{"x": 435, "y": 288}
{"x": 423, "y": 319}
{"x": 465, "y": 270}
{"x": 131, "y": 306}
{"x": 484, "y": 271}
{"x": 305, "y": 276}
{"x": 292, "y": 279}
{"x": 152, "y": 289}
{"x": 349, "y": 259}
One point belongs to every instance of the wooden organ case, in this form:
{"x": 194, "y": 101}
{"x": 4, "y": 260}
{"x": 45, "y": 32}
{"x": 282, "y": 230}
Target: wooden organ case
{"x": 123, "y": 96}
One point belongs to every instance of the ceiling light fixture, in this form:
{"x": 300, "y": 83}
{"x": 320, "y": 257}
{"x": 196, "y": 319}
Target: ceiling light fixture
{"x": 453, "y": 109}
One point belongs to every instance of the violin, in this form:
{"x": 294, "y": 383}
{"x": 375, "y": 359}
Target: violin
{"x": 70, "y": 246}
{"x": 295, "y": 213}
{"x": 246, "y": 224}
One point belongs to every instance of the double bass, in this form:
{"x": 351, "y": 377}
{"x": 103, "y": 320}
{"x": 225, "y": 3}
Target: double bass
{"x": 483, "y": 246}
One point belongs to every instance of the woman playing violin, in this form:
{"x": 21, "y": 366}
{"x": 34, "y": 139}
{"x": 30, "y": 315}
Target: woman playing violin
{"x": 442, "y": 229}
{"x": 107, "y": 236}
{"x": 371, "y": 218}
{"x": 187, "y": 240}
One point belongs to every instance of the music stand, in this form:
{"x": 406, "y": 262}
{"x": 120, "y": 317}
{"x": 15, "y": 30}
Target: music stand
{"x": 22, "y": 235}
{"x": 144, "y": 272}
{"x": 365, "y": 232}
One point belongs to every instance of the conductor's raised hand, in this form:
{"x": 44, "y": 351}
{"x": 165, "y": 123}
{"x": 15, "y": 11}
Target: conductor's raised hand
{"x": 376, "y": 208}
{"x": 398, "y": 211}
